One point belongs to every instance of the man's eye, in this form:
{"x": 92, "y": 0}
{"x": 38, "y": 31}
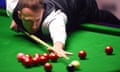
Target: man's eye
{"x": 27, "y": 21}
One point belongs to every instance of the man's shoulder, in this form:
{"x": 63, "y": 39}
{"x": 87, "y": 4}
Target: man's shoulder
{"x": 11, "y": 4}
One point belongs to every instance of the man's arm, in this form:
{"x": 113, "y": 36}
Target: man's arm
{"x": 58, "y": 33}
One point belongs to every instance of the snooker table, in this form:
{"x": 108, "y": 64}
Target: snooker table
{"x": 92, "y": 38}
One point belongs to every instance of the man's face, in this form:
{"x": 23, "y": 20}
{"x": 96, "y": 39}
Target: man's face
{"x": 31, "y": 19}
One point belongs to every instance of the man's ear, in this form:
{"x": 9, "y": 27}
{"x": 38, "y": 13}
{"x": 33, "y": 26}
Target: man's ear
{"x": 19, "y": 14}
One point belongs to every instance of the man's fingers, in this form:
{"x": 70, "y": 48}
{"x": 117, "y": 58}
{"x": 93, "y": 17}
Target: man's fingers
{"x": 67, "y": 53}
{"x": 60, "y": 53}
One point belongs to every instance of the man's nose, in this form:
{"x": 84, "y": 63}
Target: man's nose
{"x": 34, "y": 24}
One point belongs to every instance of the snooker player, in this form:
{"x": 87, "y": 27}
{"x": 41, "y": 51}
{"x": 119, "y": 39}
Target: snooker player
{"x": 53, "y": 17}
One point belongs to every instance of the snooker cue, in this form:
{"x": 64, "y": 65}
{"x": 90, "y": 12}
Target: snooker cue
{"x": 42, "y": 42}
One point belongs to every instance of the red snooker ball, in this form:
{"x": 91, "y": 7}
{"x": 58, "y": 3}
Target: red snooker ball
{"x": 36, "y": 59}
{"x": 53, "y": 56}
{"x": 46, "y": 55}
{"x": 27, "y": 61}
{"x": 43, "y": 59}
{"x": 37, "y": 55}
{"x": 109, "y": 50}
{"x": 28, "y": 56}
{"x": 82, "y": 54}
{"x": 20, "y": 56}
{"x": 48, "y": 67}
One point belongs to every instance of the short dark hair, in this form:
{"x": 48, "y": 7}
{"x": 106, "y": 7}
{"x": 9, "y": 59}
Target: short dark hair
{"x": 32, "y": 4}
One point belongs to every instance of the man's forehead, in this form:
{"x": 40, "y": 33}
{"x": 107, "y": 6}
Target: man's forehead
{"x": 29, "y": 11}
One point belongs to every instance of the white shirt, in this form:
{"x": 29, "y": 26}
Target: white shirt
{"x": 55, "y": 24}
{"x": 11, "y": 4}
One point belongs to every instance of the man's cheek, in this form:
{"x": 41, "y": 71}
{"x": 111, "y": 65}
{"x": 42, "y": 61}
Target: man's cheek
{"x": 27, "y": 26}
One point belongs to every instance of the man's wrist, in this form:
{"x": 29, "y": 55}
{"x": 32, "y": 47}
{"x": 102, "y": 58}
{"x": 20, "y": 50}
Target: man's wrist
{"x": 58, "y": 45}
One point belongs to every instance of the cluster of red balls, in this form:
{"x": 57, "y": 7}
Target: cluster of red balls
{"x": 82, "y": 53}
{"x": 38, "y": 59}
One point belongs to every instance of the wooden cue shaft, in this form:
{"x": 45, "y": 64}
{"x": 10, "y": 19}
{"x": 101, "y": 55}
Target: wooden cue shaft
{"x": 37, "y": 39}
{"x": 42, "y": 42}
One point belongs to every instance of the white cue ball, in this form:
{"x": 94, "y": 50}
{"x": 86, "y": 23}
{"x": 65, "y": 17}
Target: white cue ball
{"x": 76, "y": 64}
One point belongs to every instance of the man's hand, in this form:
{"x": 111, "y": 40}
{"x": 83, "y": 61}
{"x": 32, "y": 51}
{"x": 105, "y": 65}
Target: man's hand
{"x": 58, "y": 49}
{"x": 14, "y": 26}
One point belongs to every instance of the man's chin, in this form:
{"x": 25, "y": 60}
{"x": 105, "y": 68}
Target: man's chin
{"x": 32, "y": 31}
